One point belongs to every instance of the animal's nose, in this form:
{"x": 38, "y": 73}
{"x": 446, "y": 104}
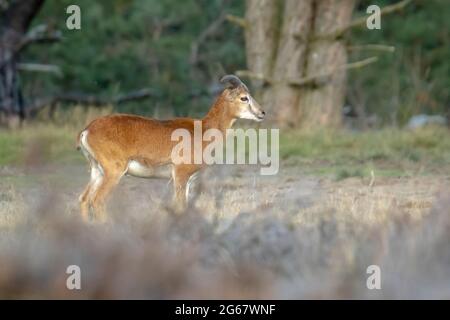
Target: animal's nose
{"x": 263, "y": 113}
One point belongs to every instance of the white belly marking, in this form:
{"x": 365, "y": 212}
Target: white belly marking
{"x": 137, "y": 169}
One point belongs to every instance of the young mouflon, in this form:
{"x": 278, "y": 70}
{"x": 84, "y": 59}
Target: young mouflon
{"x": 123, "y": 144}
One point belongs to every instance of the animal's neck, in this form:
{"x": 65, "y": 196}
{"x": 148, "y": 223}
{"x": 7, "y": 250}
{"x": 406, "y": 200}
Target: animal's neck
{"x": 218, "y": 116}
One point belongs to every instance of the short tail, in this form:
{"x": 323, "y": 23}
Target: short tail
{"x": 78, "y": 146}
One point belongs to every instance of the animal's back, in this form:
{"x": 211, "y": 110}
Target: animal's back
{"x": 123, "y": 136}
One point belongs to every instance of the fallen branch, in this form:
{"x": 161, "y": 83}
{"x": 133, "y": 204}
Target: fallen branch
{"x": 89, "y": 100}
{"x": 99, "y": 101}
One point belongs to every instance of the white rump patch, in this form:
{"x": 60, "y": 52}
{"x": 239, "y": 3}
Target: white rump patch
{"x": 96, "y": 169}
{"x": 87, "y": 151}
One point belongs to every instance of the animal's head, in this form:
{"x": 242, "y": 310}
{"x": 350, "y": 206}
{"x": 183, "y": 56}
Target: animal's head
{"x": 240, "y": 103}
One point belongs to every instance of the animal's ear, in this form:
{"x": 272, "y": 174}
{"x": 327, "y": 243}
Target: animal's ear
{"x": 233, "y": 82}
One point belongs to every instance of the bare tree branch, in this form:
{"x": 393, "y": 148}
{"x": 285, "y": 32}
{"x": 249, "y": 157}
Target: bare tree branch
{"x": 386, "y": 10}
{"x": 37, "y": 67}
{"x": 362, "y": 20}
{"x": 90, "y": 100}
{"x": 374, "y": 47}
{"x": 39, "y": 34}
{"x": 208, "y": 32}
{"x": 317, "y": 79}
{"x": 239, "y": 21}
{"x": 160, "y": 25}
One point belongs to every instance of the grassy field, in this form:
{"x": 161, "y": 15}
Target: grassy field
{"x": 341, "y": 202}
{"x": 342, "y": 154}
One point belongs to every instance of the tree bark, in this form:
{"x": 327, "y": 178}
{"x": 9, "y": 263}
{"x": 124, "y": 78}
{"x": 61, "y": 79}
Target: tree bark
{"x": 322, "y": 105}
{"x": 286, "y": 42}
{"x": 14, "y": 22}
{"x": 261, "y": 35}
{"x": 290, "y": 61}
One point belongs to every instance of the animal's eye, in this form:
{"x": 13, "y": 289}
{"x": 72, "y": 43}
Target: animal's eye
{"x": 244, "y": 99}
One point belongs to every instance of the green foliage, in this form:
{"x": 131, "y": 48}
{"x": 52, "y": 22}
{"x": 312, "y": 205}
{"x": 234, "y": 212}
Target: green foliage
{"x": 415, "y": 78}
{"x": 129, "y": 44}
{"x": 126, "y": 45}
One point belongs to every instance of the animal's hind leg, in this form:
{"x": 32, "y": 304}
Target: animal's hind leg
{"x": 84, "y": 202}
{"x": 86, "y": 197}
{"x": 98, "y": 197}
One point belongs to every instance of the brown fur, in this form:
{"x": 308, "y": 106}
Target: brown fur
{"x": 116, "y": 139}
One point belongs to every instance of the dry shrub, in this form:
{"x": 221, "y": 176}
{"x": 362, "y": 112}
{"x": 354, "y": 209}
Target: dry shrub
{"x": 261, "y": 254}
{"x": 168, "y": 257}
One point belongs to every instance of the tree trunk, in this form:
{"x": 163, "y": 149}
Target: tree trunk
{"x": 322, "y": 105}
{"x": 289, "y": 41}
{"x": 14, "y": 22}
{"x": 261, "y": 35}
{"x": 11, "y": 102}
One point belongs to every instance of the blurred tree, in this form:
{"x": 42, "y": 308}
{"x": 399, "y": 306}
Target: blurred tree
{"x": 297, "y": 53}
{"x": 179, "y": 49}
{"x": 412, "y": 75}
{"x": 292, "y": 46}
{"x": 175, "y": 48}
{"x": 15, "y": 19}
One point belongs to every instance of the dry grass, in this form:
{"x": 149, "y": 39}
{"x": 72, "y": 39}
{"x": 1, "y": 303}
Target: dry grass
{"x": 246, "y": 236}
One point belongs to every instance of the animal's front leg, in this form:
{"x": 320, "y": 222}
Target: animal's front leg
{"x": 181, "y": 175}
